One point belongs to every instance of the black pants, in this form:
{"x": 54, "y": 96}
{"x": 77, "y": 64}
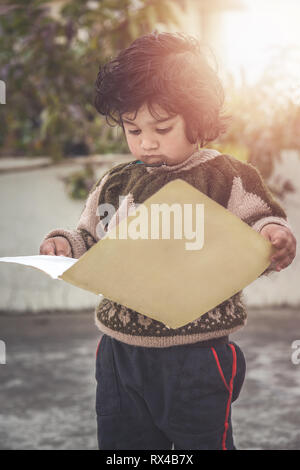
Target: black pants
{"x": 150, "y": 398}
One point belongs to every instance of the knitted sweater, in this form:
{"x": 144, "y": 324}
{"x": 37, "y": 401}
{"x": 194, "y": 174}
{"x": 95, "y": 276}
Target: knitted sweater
{"x": 235, "y": 185}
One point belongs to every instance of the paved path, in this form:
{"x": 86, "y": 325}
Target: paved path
{"x": 48, "y": 386}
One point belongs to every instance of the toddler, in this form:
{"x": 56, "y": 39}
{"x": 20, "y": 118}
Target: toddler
{"x": 158, "y": 386}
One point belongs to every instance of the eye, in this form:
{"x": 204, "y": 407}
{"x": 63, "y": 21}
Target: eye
{"x": 135, "y": 132}
{"x": 164, "y": 131}
{"x": 160, "y": 131}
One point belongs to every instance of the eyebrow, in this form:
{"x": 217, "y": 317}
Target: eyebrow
{"x": 151, "y": 122}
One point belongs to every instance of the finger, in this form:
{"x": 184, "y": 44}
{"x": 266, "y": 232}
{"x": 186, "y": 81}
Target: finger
{"x": 62, "y": 246}
{"x": 43, "y": 249}
{"x": 279, "y": 255}
{"x": 50, "y": 248}
{"x": 280, "y": 267}
{"x": 284, "y": 262}
{"x": 61, "y": 253}
{"x": 63, "y": 249}
{"x": 279, "y": 241}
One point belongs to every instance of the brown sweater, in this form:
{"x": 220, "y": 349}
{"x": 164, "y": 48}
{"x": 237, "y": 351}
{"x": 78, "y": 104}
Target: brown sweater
{"x": 235, "y": 185}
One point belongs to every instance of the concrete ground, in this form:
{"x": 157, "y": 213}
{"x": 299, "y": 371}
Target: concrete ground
{"x": 48, "y": 386}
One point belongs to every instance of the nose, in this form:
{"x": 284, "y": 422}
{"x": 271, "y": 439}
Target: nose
{"x": 149, "y": 144}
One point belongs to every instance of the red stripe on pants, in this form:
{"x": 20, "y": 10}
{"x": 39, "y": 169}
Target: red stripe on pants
{"x": 98, "y": 346}
{"x": 229, "y": 388}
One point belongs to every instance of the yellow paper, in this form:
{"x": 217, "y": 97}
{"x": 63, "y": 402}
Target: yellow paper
{"x": 161, "y": 278}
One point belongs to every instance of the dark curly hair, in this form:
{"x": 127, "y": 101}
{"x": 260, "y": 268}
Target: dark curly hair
{"x": 168, "y": 69}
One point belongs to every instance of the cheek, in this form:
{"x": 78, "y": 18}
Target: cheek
{"x": 132, "y": 143}
{"x": 170, "y": 145}
{"x": 174, "y": 142}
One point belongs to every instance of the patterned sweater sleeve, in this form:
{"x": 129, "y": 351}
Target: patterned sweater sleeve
{"x": 87, "y": 232}
{"x": 252, "y": 201}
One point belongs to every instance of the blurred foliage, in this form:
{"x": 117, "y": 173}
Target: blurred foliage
{"x": 49, "y": 58}
{"x": 79, "y": 183}
{"x": 265, "y": 116}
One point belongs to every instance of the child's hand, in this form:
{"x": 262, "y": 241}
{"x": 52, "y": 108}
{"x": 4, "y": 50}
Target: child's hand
{"x": 284, "y": 245}
{"x": 58, "y": 246}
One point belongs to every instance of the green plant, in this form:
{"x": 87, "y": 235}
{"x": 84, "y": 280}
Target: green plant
{"x": 79, "y": 183}
{"x": 49, "y": 57}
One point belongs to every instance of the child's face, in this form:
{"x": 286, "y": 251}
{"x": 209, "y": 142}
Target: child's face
{"x": 155, "y": 141}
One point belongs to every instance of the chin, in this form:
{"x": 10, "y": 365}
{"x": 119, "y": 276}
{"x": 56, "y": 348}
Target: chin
{"x": 153, "y": 159}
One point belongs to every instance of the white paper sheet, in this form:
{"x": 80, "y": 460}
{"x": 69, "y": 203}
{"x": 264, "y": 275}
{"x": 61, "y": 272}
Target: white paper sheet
{"x": 54, "y": 266}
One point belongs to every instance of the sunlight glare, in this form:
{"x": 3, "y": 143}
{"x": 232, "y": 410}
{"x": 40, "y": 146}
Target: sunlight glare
{"x": 252, "y": 36}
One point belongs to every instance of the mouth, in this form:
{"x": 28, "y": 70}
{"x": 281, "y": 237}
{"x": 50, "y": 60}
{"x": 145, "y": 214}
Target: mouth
{"x": 161, "y": 160}
{"x": 153, "y": 156}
